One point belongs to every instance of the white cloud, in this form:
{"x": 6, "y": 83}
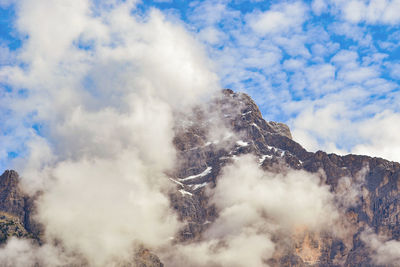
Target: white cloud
{"x": 211, "y": 35}
{"x": 209, "y": 12}
{"x": 380, "y": 136}
{"x": 257, "y": 211}
{"x": 317, "y": 128}
{"x": 384, "y": 252}
{"x": 357, "y": 75}
{"x": 319, "y": 6}
{"x": 280, "y": 18}
{"x": 353, "y": 11}
{"x": 395, "y": 71}
{"x": 294, "y": 64}
{"x": 21, "y": 253}
{"x": 370, "y": 12}
{"x": 107, "y": 114}
{"x": 320, "y": 77}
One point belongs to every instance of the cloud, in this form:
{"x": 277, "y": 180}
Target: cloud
{"x": 270, "y": 195}
{"x": 326, "y": 123}
{"x": 395, "y": 71}
{"x": 21, "y": 253}
{"x": 384, "y": 252}
{"x": 319, "y": 6}
{"x": 331, "y": 125}
{"x": 371, "y": 12}
{"x": 211, "y": 35}
{"x": 280, "y": 18}
{"x": 378, "y": 142}
{"x": 349, "y": 190}
{"x": 102, "y": 208}
{"x": 99, "y": 84}
{"x": 257, "y": 212}
{"x": 103, "y": 85}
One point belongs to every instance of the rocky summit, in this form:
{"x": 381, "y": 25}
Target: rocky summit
{"x": 202, "y": 154}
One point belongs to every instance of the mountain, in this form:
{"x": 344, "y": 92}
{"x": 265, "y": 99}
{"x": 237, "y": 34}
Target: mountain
{"x": 374, "y": 206}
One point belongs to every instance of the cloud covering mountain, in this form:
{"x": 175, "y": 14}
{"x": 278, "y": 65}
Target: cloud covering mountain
{"x": 94, "y": 94}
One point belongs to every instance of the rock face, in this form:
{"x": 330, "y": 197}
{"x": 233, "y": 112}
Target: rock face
{"x": 201, "y": 162}
{"x": 12, "y": 199}
{"x": 16, "y": 209}
{"x": 201, "y": 158}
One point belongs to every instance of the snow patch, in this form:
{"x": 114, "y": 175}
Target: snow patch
{"x": 177, "y": 182}
{"x": 242, "y": 143}
{"x": 211, "y": 143}
{"x": 197, "y": 186}
{"x": 204, "y": 173}
{"x": 263, "y": 157}
{"x": 183, "y": 192}
{"x": 255, "y": 125}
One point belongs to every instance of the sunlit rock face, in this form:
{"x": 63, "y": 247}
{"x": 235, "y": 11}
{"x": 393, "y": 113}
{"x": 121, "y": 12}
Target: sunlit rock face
{"x": 364, "y": 190}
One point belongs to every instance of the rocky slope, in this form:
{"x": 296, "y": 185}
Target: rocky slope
{"x": 201, "y": 160}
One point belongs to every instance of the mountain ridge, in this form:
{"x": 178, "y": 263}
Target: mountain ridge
{"x": 203, "y": 154}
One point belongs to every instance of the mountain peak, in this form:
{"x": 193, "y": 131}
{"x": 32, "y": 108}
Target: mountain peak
{"x": 365, "y": 190}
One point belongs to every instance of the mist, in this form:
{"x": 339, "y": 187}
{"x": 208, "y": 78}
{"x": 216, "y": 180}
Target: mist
{"x": 97, "y": 117}
{"x": 259, "y": 212}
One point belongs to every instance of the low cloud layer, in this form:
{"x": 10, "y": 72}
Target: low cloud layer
{"x": 258, "y": 213}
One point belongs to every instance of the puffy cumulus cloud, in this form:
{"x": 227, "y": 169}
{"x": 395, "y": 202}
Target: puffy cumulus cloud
{"x": 280, "y": 18}
{"x": 256, "y": 211}
{"x": 384, "y": 252}
{"x": 102, "y": 208}
{"x": 101, "y": 84}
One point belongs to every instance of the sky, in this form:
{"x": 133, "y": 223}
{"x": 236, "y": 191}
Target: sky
{"x": 330, "y": 69}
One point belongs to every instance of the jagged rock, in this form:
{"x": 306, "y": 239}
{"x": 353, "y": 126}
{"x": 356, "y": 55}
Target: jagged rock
{"x": 281, "y": 128}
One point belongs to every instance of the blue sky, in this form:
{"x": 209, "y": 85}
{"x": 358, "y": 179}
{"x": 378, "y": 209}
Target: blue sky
{"x": 329, "y": 69}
